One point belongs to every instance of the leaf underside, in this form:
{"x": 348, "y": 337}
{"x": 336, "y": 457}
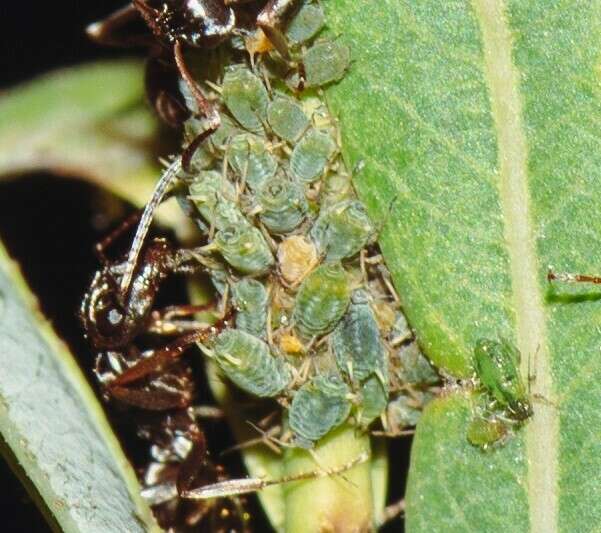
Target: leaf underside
{"x": 477, "y": 127}
{"x": 55, "y": 426}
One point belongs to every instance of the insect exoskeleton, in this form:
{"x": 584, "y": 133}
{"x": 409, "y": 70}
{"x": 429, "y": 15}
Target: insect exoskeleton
{"x": 319, "y": 406}
{"x": 497, "y": 368}
{"x": 244, "y": 248}
{"x": 297, "y": 256}
{"x": 247, "y": 361}
{"x": 321, "y": 301}
{"x": 357, "y": 343}
{"x": 311, "y": 155}
{"x": 248, "y": 155}
{"x": 250, "y": 298}
{"x": 246, "y": 97}
{"x": 342, "y": 230}
{"x": 287, "y": 118}
{"x": 283, "y": 204}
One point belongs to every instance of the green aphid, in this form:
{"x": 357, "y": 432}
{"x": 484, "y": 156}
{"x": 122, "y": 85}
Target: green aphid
{"x": 227, "y": 130}
{"x": 319, "y": 406}
{"x": 321, "y": 301}
{"x": 244, "y": 248}
{"x": 283, "y": 204}
{"x": 341, "y": 231}
{"x": 374, "y": 399}
{"x": 208, "y": 189}
{"x": 357, "y": 343}
{"x": 306, "y": 23}
{"x": 336, "y": 189}
{"x": 497, "y": 367}
{"x": 326, "y": 62}
{"x": 249, "y": 157}
{"x": 248, "y": 362}
{"x": 246, "y": 97}
{"x": 311, "y": 155}
{"x": 414, "y": 367}
{"x": 287, "y": 118}
{"x": 250, "y": 299}
{"x": 485, "y": 432}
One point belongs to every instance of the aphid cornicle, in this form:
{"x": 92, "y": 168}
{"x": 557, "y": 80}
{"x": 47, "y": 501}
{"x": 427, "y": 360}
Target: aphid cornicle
{"x": 357, "y": 343}
{"x": 247, "y": 362}
{"x": 283, "y": 204}
{"x": 245, "y": 249}
{"x": 342, "y": 230}
{"x": 250, "y": 299}
{"x": 311, "y": 155}
{"x": 319, "y": 406}
{"x": 321, "y": 300}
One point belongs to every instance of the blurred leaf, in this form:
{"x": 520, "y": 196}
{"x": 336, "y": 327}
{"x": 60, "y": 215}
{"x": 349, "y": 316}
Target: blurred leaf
{"x": 54, "y": 425}
{"x": 477, "y": 125}
{"x": 89, "y": 122}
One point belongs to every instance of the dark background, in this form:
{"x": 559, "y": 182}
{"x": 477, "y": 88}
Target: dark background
{"x": 52, "y": 239}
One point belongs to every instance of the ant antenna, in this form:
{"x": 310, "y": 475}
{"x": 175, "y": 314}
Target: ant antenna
{"x": 157, "y": 197}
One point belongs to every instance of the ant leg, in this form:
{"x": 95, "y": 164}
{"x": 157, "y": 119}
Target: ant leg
{"x": 167, "y": 355}
{"x": 194, "y": 460}
{"x": 158, "y": 195}
{"x": 150, "y": 400}
{"x": 271, "y": 20}
{"x": 235, "y": 487}
{"x": 204, "y": 106}
{"x": 391, "y": 512}
{"x": 101, "y": 247}
{"x": 572, "y": 278}
{"x": 105, "y": 31}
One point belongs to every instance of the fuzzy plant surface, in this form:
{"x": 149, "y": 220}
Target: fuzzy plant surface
{"x": 472, "y": 129}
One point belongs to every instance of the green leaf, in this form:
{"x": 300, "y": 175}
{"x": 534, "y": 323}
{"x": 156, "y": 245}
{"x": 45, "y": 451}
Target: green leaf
{"x": 477, "y": 125}
{"x": 90, "y": 122}
{"x": 55, "y": 427}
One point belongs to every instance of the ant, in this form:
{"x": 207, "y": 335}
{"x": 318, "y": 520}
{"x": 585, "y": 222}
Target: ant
{"x": 113, "y": 320}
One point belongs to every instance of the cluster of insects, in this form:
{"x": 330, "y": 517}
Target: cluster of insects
{"x": 305, "y": 314}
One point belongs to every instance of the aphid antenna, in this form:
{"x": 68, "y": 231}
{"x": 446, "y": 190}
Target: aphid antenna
{"x": 236, "y": 487}
{"x": 568, "y": 277}
{"x": 158, "y": 195}
{"x": 393, "y": 434}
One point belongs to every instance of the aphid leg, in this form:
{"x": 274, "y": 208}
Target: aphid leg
{"x": 165, "y": 356}
{"x": 268, "y": 438}
{"x": 158, "y": 195}
{"x": 572, "y": 278}
{"x": 101, "y": 247}
{"x": 273, "y": 18}
{"x": 164, "y": 322}
{"x": 233, "y": 487}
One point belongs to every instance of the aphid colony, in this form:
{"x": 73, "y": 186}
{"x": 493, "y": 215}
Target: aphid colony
{"x": 306, "y": 314}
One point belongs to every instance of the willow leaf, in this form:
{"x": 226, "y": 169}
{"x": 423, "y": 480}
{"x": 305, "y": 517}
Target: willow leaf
{"x": 477, "y": 127}
{"x": 54, "y": 425}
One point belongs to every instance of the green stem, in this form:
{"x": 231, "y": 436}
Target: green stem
{"x": 337, "y": 503}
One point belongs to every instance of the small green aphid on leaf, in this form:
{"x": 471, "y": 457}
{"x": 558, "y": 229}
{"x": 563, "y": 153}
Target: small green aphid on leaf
{"x": 283, "y": 204}
{"x": 250, "y": 299}
{"x": 246, "y": 97}
{"x": 248, "y": 155}
{"x": 311, "y": 155}
{"x": 244, "y": 248}
{"x": 306, "y": 23}
{"x": 207, "y": 190}
{"x": 321, "y": 301}
{"x": 287, "y": 118}
{"x": 508, "y": 403}
{"x": 326, "y": 62}
{"x": 319, "y": 406}
{"x": 248, "y": 362}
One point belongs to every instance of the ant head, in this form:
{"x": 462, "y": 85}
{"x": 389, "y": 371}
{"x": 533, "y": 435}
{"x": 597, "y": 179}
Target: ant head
{"x": 103, "y": 313}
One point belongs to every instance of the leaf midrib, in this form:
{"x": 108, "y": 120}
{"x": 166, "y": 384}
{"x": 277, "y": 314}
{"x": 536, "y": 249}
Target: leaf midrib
{"x": 542, "y": 432}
